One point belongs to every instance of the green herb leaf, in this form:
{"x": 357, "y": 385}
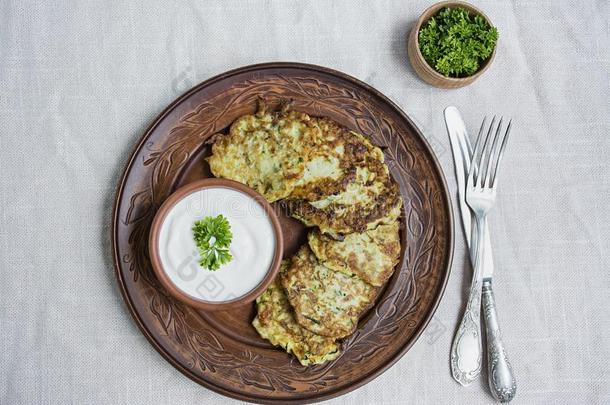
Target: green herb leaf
{"x": 456, "y": 43}
{"x": 213, "y": 237}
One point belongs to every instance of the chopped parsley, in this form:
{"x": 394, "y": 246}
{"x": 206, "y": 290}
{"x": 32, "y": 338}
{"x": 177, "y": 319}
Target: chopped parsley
{"x": 213, "y": 237}
{"x": 455, "y": 43}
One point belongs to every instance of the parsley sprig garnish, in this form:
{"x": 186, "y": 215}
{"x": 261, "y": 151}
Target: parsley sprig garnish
{"x": 213, "y": 237}
{"x": 455, "y": 43}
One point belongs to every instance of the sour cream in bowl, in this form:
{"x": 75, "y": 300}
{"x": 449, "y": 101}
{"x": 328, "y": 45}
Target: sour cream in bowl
{"x": 215, "y": 244}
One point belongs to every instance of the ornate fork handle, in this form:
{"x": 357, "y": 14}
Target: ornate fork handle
{"x": 501, "y": 378}
{"x": 466, "y": 351}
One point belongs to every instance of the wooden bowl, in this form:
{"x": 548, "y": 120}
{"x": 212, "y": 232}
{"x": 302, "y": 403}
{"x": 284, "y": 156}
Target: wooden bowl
{"x": 165, "y": 279}
{"x": 427, "y": 72}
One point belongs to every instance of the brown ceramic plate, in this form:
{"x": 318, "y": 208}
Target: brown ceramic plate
{"x": 221, "y": 350}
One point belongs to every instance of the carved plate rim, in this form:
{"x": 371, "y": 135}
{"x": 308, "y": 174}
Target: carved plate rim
{"x": 142, "y": 142}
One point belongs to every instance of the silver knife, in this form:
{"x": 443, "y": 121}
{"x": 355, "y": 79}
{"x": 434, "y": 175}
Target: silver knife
{"x": 501, "y": 378}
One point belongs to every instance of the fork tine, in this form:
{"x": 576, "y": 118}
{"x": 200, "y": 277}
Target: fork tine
{"x": 485, "y": 154}
{"x": 501, "y": 153}
{"x": 473, "y": 172}
{"x": 481, "y": 157}
{"x": 486, "y": 181}
{"x": 481, "y": 130}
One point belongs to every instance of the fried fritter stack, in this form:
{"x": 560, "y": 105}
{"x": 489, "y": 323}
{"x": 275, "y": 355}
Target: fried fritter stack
{"x": 275, "y": 322}
{"x": 336, "y": 182}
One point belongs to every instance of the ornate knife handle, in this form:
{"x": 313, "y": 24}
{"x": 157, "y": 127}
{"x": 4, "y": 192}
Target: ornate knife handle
{"x": 466, "y": 351}
{"x": 501, "y": 378}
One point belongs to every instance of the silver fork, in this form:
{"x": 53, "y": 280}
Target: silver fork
{"x": 466, "y": 351}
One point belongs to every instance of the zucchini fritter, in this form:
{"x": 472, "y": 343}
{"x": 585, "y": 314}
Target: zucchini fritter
{"x": 370, "y": 199}
{"x": 265, "y": 151}
{"x": 325, "y": 301}
{"x": 371, "y": 255}
{"x": 331, "y": 177}
{"x": 276, "y": 323}
{"x": 288, "y": 153}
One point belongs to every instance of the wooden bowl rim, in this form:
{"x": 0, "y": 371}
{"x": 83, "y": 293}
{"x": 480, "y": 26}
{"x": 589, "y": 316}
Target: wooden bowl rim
{"x": 155, "y": 230}
{"x": 429, "y": 13}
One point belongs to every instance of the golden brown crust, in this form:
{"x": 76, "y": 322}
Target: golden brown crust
{"x": 382, "y": 205}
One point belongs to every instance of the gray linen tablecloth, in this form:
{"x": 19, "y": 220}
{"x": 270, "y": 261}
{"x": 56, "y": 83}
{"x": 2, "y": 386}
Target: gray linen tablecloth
{"x": 80, "y": 81}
